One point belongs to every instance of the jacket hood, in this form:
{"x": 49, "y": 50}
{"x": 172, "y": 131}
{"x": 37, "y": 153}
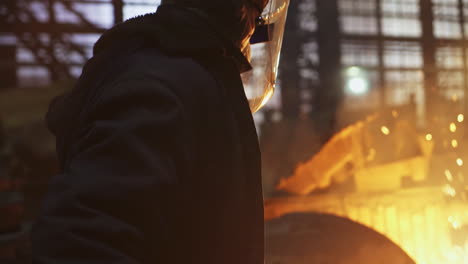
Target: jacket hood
{"x": 172, "y": 29}
{"x": 178, "y": 30}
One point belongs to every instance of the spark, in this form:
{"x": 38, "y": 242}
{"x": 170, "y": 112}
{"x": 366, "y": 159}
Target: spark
{"x": 454, "y": 143}
{"x": 385, "y": 130}
{"x": 449, "y": 190}
{"x": 428, "y": 137}
{"x": 449, "y": 175}
{"x": 459, "y": 162}
{"x": 460, "y": 118}
{"x": 453, "y": 127}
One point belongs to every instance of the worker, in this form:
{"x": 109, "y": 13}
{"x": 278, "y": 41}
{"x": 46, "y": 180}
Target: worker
{"x": 156, "y": 143}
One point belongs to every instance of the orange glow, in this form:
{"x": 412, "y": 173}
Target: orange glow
{"x": 395, "y": 114}
{"x": 421, "y": 220}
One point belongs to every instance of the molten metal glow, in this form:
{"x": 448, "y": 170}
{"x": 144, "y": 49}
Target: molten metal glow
{"x": 420, "y": 221}
{"x": 429, "y": 223}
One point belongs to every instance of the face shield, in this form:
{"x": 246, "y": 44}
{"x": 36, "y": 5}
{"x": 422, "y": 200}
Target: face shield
{"x": 265, "y": 44}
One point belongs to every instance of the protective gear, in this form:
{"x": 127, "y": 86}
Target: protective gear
{"x": 266, "y": 41}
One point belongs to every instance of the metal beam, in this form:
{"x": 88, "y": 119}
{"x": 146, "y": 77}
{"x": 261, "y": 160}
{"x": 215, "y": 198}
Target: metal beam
{"x": 41, "y": 27}
{"x": 330, "y": 92}
{"x": 289, "y": 71}
{"x": 118, "y": 11}
{"x": 462, "y": 20}
{"x": 380, "y": 54}
{"x": 429, "y": 50}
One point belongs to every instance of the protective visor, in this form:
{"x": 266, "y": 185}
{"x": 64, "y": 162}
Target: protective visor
{"x": 259, "y": 83}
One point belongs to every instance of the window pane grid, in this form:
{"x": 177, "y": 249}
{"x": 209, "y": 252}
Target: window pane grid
{"x": 446, "y": 19}
{"x": 450, "y": 84}
{"x": 358, "y": 17}
{"x": 403, "y": 87}
{"x": 449, "y": 57}
{"x": 402, "y": 55}
{"x": 359, "y": 53}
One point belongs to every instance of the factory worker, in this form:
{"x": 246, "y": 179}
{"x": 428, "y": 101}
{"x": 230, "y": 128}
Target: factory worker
{"x": 157, "y": 146}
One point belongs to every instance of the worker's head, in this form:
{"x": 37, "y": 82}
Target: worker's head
{"x": 235, "y": 17}
{"x": 239, "y": 20}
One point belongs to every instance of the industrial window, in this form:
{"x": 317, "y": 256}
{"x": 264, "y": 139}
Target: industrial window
{"x": 308, "y": 62}
{"x": 309, "y": 56}
{"x": 404, "y": 86}
{"x": 134, "y": 8}
{"x": 449, "y": 57}
{"x": 7, "y": 39}
{"x": 359, "y": 53}
{"x": 72, "y": 48}
{"x": 401, "y": 18}
{"x": 39, "y": 10}
{"x": 465, "y": 14}
{"x": 402, "y": 55}
{"x": 24, "y": 55}
{"x": 450, "y": 77}
{"x": 76, "y": 71}
{"x": 85, "y": 41}
{"x": 446, "y": 19}
{"x": 358, "y": 16}
{"x": 451, "y": 84}
{"x": 65, "y": 14}
{"x": 306, "y": 94}
{"x": 306, "y": 16}
{"x": 33, "y": 76}
{"x": 101, "y": 15}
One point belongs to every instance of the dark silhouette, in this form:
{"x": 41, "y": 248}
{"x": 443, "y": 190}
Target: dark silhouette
{"x": 159, "y": 159}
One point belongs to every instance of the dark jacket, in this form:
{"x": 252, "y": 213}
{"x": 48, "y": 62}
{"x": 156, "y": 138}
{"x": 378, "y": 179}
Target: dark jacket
{"x": 158, "y": 152}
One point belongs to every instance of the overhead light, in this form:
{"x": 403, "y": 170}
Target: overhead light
{"x": 357, "y": 82}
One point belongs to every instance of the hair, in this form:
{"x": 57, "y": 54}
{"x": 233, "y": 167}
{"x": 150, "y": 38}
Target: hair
{"x": 235, "y": 17}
